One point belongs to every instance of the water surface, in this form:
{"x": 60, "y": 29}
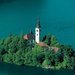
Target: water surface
{"x": 9, "y": 69}
{"x": 57, "y": 17}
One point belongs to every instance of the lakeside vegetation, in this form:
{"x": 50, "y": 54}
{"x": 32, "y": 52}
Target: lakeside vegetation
{"x": 14, "y": 49}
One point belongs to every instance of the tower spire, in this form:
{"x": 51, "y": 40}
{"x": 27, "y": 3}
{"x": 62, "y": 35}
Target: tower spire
{"x": 31, "y": 31}
{"x": 38, "y": 23}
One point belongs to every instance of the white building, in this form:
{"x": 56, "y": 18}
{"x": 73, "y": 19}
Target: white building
{"x": 36, "y": 38}
{"x": 37, "y": 32}
{"x": 31, "y": 37}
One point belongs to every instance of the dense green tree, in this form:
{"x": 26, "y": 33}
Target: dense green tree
{"x": 46, "y": 63}
{"x": 50, "y": 55}
{"x": 28, "y": 58}
{"x": 59, "y": 57}
{"x": 14, "y": 49}
{"x": 7, "y": 58}
{"x": 17, "y": 58}
{"x": 54, "y": 41}
{"x": 51, "y": 40}
{"x": 47, "y": 39}
{"x": 38, "y": 54}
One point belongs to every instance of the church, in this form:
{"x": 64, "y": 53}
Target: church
{"x": 35, "y": 38}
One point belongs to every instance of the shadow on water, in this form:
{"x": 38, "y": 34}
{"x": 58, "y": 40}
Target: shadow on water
{"x": 10, "y": 69}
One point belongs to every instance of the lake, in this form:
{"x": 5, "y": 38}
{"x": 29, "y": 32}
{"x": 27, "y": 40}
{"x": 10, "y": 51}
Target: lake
{"x": 19, "y": 16}
{"x": 9, "y": 69}
{"x": 57, "y": 17}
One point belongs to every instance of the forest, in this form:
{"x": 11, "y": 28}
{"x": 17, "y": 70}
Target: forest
{"x": 15, "y": 50}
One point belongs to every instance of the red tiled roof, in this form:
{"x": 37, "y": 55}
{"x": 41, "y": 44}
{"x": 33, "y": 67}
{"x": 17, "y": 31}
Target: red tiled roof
{"x": 42, "y": 44}
{"x": 29, "y": 36}
{"x": 55, "y": 48}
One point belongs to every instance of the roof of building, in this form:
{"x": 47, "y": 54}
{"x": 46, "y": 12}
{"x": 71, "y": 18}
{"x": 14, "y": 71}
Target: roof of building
{"x": 42, "y": 44}
{"x": 29, "y": 36}
{"x": 55, "y": 49}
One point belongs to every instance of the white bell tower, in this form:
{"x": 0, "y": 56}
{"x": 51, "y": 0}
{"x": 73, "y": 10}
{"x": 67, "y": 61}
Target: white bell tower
{"x": 37, "y": 32}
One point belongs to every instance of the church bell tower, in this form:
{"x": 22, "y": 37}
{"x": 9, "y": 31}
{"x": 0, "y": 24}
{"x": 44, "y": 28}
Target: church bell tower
{"x": 37, "y": 31}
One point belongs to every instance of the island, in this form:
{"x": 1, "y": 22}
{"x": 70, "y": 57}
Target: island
{"x": 30, "y": 50}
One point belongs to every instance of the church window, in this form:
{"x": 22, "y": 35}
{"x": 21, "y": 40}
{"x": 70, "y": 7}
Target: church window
{"x": 37, "y": 30}
{"x": 37, "y": 34}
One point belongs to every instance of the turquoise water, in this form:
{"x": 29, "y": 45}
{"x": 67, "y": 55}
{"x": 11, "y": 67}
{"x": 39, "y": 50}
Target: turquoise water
{"x": 19, "y": 16}
{"x": 57, "y": 17}
{"x": 8, "y": 69}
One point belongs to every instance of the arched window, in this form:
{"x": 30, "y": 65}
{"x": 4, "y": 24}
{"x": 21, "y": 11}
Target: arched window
{"x": 37, "y": 34}
{"x": 37, "y": 30}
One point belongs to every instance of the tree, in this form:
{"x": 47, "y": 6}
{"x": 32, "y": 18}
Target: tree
{"x": 17, "y": 58}
{"x": 50, "y": 55}
{"x": 8, "y": 58}
{"x": 38, "y": 55}
{"x": 59, "y": 57}
{"x": 54, "y": 41}
{"x": 22, "y": 44}
{"x": 47, "y": 39}
{"x": 28, "y": 58}
{"x": 46, "y": 63}
{"x": 14, "y": 49}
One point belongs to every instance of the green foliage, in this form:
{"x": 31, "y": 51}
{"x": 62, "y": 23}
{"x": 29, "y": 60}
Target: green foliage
{"x": 47, "y": 39}
{"x": 18, "y": 59}
{"x": 7, "y": 58}
{"x": 14, "y": 49}
{"x": 51, "y": 40}
{"x": 54, "y": 41}
{"x": 46, "y": 63}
